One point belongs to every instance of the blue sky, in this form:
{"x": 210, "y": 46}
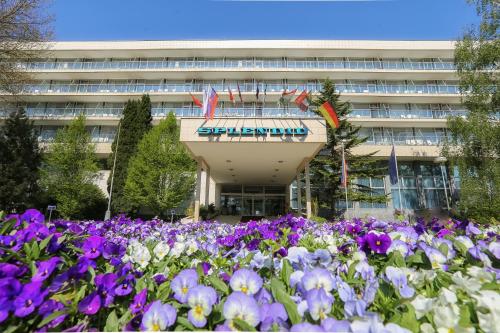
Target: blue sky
{"x": 261, "y": 19}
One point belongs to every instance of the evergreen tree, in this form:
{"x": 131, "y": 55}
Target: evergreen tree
{"x": 326, "y": 167}
{"x": 70, "y": 171}
{"x": 474, "y": 141}
{"x": 20, "y": 159}
{"x": 161, "y": 173}
{"x": 135, "y": 123}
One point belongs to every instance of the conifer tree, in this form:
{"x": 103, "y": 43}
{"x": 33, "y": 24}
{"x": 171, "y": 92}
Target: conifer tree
{"x": 161, "y": 174}
{"x": 326, "y": 167}
{"x": 474, "y": 141}
{"x": 70, "y": 171}
{"x": 136, "y": 121}
{"x": 20, "y": 159}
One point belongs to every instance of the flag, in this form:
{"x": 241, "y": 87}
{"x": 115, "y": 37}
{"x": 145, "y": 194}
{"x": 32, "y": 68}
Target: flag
{"x": 328, "y": 112}
{"x": 231, "y": 97}
{"x": 265, "y": 93}
{"x": 257, "y": 92}
{"x": 239, "y": 92}
{"x": 393, "y": 167}
{"x": 286, "y": 96}
{"x": 302, "y": 101}
{"x": 343, "y": 176}
{"x": 196, "y": 101}
{"x": 210, "y": 100}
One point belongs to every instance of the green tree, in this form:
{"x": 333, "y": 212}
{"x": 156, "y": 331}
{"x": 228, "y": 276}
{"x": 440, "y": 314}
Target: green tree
{"x": 161, "y": 173}
{"x": 326, "y": 167}
{"x": 473, "y": 145}
{"x": 20, "y": 159}
{"x": 70, "y": 172}
{"x": 135, "y": 123}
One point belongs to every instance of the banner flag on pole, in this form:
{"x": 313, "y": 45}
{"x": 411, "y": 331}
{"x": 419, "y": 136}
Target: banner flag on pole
{"x": 302, "y": 101}
{"x": 205, "y": 107}
{"x": 196, "y": 101}
{"x": 210, "y": 99}
{"x": 393, "y": 169}
{"x": 239, "y": 92}
{"x": 257, "y": 92}
{"x": 231, "y": 97}
{"x": 213, "y": 100}
{"x": 286, "y": 96}
{"x": 328, "y": 112}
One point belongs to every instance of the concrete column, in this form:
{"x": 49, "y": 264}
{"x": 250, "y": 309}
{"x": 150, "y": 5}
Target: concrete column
{"x": 197, "y": 194}
{"x": 299, "y": 195}
{"x": 308, "y": 191}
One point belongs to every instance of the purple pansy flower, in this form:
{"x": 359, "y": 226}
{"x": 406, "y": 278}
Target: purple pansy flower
{"x": 241, "y": 306}
{"x": 273, "y": 314}
{"x": 30, "y": 297}
{"x": 378, "y": 243}
{"x": 45, "y": 269}
{"x": 246, "y": 281}
{"x": 200, "y": 299}
{"x": 158, "y": 317}
{"x": 139, "y": 302}
{"x": 93, "y": 247}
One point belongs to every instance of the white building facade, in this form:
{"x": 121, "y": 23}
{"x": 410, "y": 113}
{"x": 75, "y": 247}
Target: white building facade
{"x": 401, "y": 92}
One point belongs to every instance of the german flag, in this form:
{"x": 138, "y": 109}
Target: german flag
{"x": 329, "y": 114}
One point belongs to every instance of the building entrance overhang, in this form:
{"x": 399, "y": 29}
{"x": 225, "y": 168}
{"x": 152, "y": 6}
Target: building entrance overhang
{"x": 253, "y": 150}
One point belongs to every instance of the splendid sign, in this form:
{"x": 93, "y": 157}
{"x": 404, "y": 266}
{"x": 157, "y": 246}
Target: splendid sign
{"x": 251, "y": 131}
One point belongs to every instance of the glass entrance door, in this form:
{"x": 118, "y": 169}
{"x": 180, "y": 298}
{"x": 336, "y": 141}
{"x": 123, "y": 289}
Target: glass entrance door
{"x": 253, "y": 206}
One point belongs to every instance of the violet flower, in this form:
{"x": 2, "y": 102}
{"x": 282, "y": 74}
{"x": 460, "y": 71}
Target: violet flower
{"x": 93, "y": 247}
{"x": 246, "y": 281}
{"x": 45, "y": 269}
{"x": 271, "y": 314}
{"x": 378, "y": 243}
{"x": 243, "y": 307}
{"x": 30, "y": 297}
{"x": 139, "y": 302}
{"x": 158, "y": 317}
{"x": 182, "y": 283}
{"x": 200, "y": 299}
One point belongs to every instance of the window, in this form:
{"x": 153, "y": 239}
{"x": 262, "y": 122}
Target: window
{"x": 377, "y": 187}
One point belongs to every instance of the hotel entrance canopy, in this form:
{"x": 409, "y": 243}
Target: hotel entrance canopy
{"x": 250, "y": 151}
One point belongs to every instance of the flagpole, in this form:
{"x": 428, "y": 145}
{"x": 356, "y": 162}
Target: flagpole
{"x": 107, "y": 215}
{"x": 397, "y": 175}
{"x": 345, "y": 180}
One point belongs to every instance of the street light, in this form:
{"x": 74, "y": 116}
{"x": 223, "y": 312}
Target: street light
{"x": 107, "y": 216}
{"x": 441, "y": 161}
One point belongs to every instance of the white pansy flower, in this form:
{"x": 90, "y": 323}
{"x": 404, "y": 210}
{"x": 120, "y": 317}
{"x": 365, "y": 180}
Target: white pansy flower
{"x": 161, "y": 250}
{"x": 480, "y": 274}
{"x": 359, "y": 256}
{"x": 192, "y": 247}
{"x": 446, "y": 317}
{"x": 427, "y": 328}
{"x": 465, "y": 241}
{"x": 447, "y": 297}
{"x": 333, "y": 249}
{"x": 140, "y": 255}
{"x": 470, "y": 285}
{"x": 422, "y": 305}
{"x": 177, "y": 250}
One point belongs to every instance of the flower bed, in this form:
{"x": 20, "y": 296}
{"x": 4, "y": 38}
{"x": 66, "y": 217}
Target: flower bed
{"x": 286, "y": 274}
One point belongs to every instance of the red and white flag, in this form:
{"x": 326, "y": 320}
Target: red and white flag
{"x": 302, "y": 101}
{"x": 196, "y": 101}
{"x": 231, "y": 96}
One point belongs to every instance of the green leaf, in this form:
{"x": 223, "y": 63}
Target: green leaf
{"x": 399, "y": 261}
{"x": 415, "y": 258}
{"x": 184, "y": 322}
{"x": 45, "y": 242}
{"x": 281, "y": 296}
{"x": 27, "y": 249}
{"x": 35, "y": 250}
{"x": 218, "y": 284}
{"x": 243, "y": 325}
{"x": 286, "y": 271}
{"x": 50, "y": 317}
{"x": 7, "y": 225}
{"x": 111, "y": 322}
{"x": 460, "y": 247}
{"x": 464, "y": 319}
{"x": 409, "y": 320}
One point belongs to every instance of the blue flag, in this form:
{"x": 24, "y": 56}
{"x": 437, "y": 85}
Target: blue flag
{"x": 393, "y": 167}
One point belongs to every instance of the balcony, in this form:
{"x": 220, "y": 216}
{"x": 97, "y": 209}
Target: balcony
{"x": 252, "y": 64}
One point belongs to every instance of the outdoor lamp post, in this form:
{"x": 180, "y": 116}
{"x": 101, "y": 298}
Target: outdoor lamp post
{"x": 441, "y": 161}
{"x": 107, "y": 216}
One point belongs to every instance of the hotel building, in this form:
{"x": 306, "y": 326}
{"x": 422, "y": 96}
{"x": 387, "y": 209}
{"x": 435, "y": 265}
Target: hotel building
{"x": 258, "y": 157}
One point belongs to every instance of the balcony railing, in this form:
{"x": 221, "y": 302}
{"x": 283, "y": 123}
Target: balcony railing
{"x": 327, "y": 64}
{"x": 229, "y": 111}
{"x": 407, "y": 114}
{"x": 345, "y": 88}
